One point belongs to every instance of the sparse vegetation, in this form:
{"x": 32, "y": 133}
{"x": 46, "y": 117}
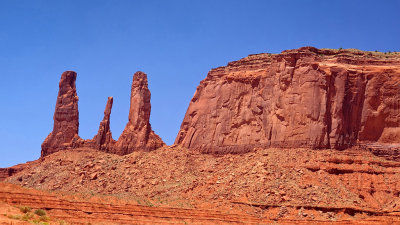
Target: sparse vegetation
{"x": 62, "y": 222}
{"x": 40, "y": 212}
{"x": 28, "y": 216}
{"x": 15, "y": 217}
{"x": 38, "y": 217}
{"x": 25, "y": 209}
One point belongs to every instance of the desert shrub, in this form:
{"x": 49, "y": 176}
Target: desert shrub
{"x": 37, "y": 221}
{"x": 15, "y": 217}
{"x": 27, "y": 216}
{"x": 44, "y": 218}
{"x": 25, "y": 209}
{"x": 62, "y": 222}
{"x": 40, "y": 212}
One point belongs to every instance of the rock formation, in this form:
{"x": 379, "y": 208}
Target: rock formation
{"x": 300, "y": 98}
{"x": 138, "y": 134}
{"x": 66, "y": 117}
{"x": 103, "y": 140}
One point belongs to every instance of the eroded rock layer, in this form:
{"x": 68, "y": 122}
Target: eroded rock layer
{"x": 66, "y": 117}
{"x": 138, "y": 134}
{"x": 300, "y": 98}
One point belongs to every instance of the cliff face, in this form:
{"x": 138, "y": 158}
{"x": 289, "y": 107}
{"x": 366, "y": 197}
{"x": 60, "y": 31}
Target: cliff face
{"x": 299, "y": 98}
{"x": 138, "y": 133}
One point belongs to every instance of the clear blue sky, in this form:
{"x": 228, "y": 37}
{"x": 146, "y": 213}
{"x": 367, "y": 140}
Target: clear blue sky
{"x": 175, "y": 42}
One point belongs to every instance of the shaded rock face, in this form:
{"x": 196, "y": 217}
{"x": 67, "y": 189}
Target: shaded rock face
{"x": 66, "y": 117}
{"x": 299, "y": 98}
{"x": 103, "y": 140}
{"x": 138, "y": 134}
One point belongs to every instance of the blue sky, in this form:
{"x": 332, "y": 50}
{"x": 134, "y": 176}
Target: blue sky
{"x": 175, "y": 42}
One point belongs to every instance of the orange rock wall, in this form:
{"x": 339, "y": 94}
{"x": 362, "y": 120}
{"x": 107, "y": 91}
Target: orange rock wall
{"x": 299, "y": 98}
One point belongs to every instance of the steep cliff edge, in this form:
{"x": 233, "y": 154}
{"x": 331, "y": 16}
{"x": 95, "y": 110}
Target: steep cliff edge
{"x": 307, "y": 97}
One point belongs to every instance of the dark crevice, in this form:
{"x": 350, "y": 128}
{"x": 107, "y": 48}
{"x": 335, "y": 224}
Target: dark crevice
{"x": 328, "y": 114}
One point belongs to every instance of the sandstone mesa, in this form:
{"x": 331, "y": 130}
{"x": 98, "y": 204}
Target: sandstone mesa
{"x": 300, "y": 98}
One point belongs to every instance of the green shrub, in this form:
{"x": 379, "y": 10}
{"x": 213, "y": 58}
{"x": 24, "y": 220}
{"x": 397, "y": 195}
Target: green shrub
{"x": 25, "y": 209}
{"x": 15, "y": 217}
{"x": 40, "y": 212}
{"x": 27, "y": 216}
{"x": 44, "y": 218}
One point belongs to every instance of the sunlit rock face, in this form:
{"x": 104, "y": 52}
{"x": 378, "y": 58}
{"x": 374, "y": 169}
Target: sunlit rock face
{"x": 307, "y": 97}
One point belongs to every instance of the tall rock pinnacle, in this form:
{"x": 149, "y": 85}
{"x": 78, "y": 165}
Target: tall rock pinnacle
{"x": 66, "y": 117}
{"x": 103, "y": 140}
{"x": 138, "y": 134}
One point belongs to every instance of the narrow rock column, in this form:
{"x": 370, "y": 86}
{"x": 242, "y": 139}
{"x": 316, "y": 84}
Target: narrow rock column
{"x": 138, "y": 134}
{"x": 66, "y": 117}
{"x": 103, "y": 140}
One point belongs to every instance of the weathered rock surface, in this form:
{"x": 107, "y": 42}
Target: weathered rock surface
{"x": 138, "y": 134}
{"x": 103, "y": 140}
{"x": 307, "y": 97}
{"x": 66, "y": 117}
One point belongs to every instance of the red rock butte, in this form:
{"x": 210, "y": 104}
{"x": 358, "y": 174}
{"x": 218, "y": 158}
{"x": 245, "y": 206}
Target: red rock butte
{"x": 137, "y": 135}
{"x": 308, "y": 97}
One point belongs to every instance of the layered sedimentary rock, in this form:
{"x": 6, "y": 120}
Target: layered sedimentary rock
{"x": 103, "y": 140}
{"x": 138, "y": 134}
{"x": 66, "y": 117}
{"x": 300, "y": 98}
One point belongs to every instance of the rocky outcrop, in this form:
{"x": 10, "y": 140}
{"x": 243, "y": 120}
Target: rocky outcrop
{"x": 307, "y": 97}
{"x": 138, "y": 134}
{"x": 10, "y": 171}
{"x": 66, "y": 117}
{"x": 103, "y": 140}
